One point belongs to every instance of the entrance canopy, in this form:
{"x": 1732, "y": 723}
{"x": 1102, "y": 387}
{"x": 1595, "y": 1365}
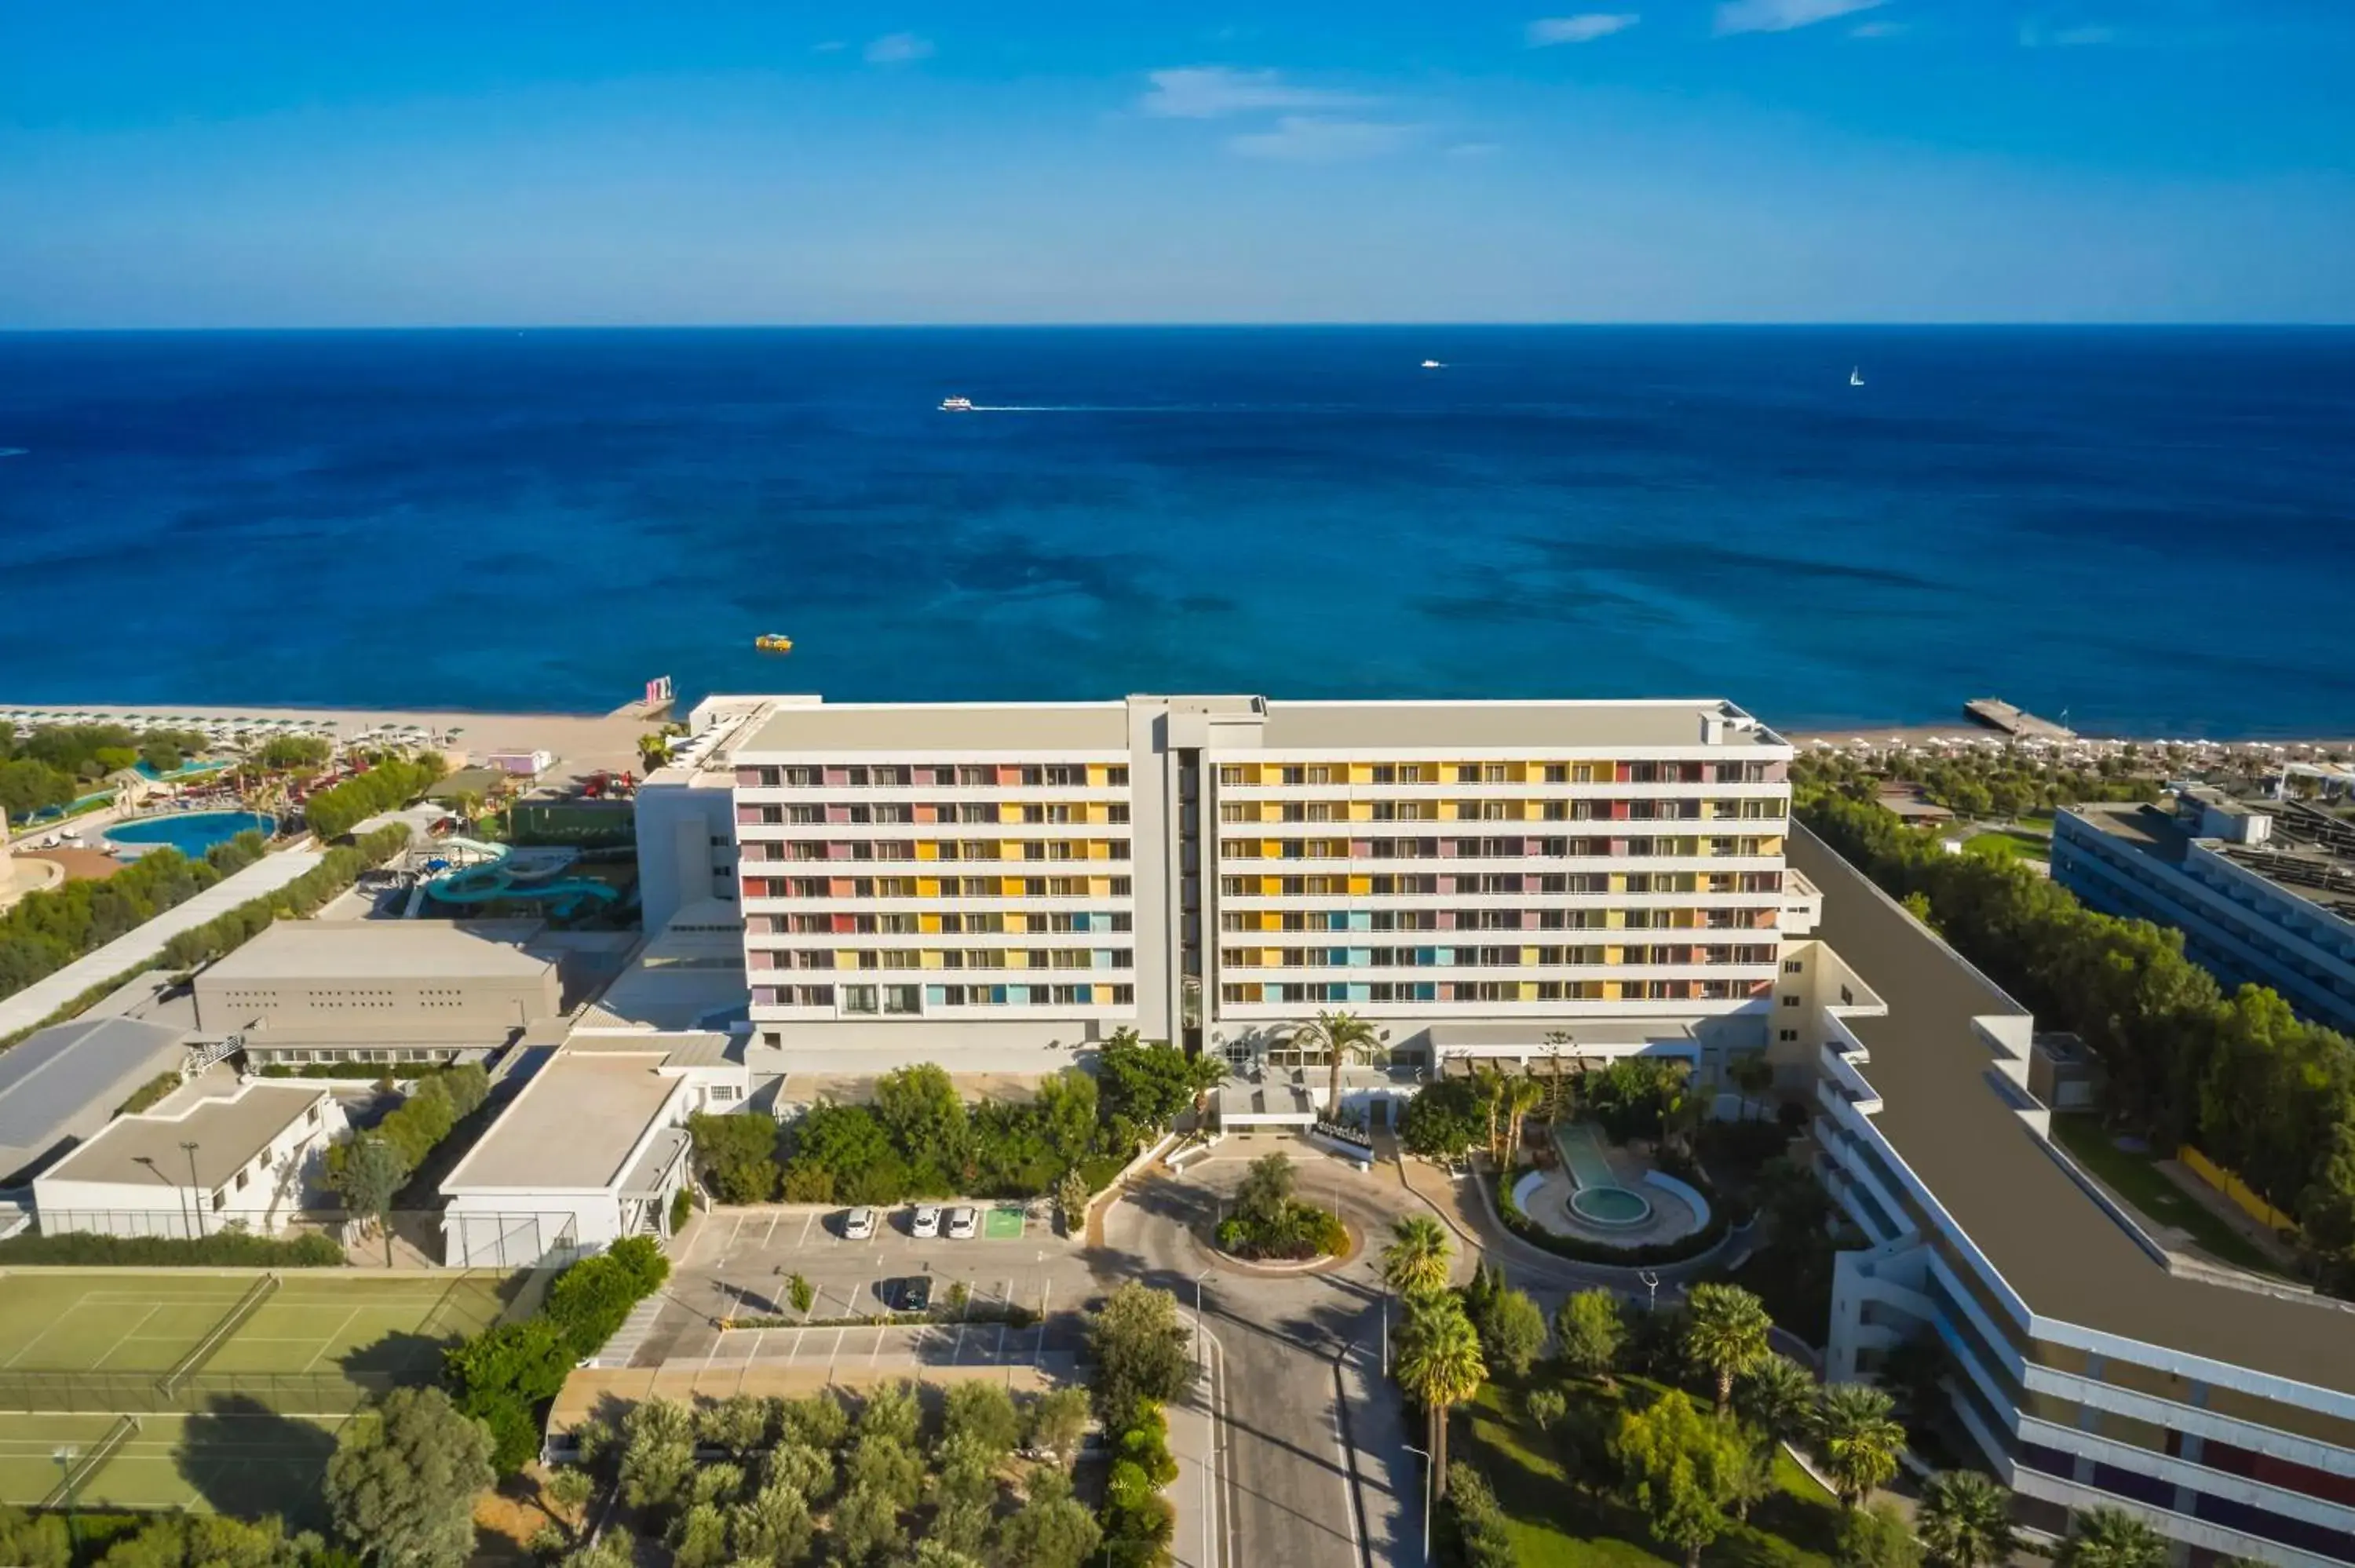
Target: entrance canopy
{"x": 1457, "y": 1045}
{"x": 1265, "y": 1104}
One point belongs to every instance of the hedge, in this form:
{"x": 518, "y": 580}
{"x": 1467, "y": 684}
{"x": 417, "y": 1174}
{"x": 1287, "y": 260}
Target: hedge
{"x": 368, "y": 1071}
{"x": 391, "y": 783}
{"x": 504, "y": 1375}
{"x": 231, "y": 1249}
{"x": 148, "y": 1092}
{"x": 336, "y": 871}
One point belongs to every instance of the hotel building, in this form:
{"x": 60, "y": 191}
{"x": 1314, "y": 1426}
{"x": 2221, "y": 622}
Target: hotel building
{"x": 2091, "y": 1366}
{"x": 994, "y": 884}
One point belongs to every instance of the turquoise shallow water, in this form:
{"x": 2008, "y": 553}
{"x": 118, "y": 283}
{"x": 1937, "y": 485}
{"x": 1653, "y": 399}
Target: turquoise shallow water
{"x": 2149, "y": 529}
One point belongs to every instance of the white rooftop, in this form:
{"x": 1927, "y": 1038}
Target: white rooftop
{"x": 386, "y": 949}
{"x": 573, "y": 1127}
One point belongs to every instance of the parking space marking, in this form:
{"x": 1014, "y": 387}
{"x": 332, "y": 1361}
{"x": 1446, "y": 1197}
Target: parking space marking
{"x": 805, "y": 1230}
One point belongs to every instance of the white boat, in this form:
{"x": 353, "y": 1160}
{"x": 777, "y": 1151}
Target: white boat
{"x": 956, "y": 405}
{"x": 1855, "y": 376}
{"x": 1432, "y": 365}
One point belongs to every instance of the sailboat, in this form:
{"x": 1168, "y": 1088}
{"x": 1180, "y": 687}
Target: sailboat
{"x": 1855, "y": 376}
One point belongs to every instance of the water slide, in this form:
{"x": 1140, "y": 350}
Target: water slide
{"x": 479, "y": 872}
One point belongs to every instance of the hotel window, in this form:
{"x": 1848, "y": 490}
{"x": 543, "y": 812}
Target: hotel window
{"x": 1034, "y": 777}
{"x": 1787, "y": 1035}
{"x": 1493, "y": 773}
{"x": 1794, "y": 966}
{"x": 1468, "y": 773}
{"x": 976, "y": 778}
{"x": 1385, "y": 773}
{"x": 1229, "y": 773}
{"x": 858, "y": 999}
{"x": 1557, "y": 773}
{"x": 1117, "y": 777}
{"x": 1291, "y": 775}
{"x": 1065, "y": 777}
{"x": 1790, "y": 1002}
{"x": 803, "y": 777}
{"x": 903, "y": 998}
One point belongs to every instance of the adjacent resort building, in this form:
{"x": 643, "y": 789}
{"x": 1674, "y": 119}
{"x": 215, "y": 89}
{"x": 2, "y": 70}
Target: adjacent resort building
{"x": 2092, "y": 1367}
{"x": 2263, "y": 892}
{"x": 1000, "y": 886}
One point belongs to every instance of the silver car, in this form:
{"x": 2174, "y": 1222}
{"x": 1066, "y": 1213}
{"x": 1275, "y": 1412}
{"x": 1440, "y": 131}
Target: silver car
{"x": 926, "y": 1221}
{"x": 965, "y": 1224}
{"x": 858, "y": 1223}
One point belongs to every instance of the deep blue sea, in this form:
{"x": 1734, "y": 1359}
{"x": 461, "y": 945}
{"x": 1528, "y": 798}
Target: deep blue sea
{"x": 2153, "y": 530}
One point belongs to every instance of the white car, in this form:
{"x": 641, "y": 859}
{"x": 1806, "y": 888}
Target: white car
{"x": 965, "y": 1224}
{"x": 926, "y": 1221}
{"x": 858, "y": 1223}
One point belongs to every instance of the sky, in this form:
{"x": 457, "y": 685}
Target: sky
{"x": 289, "y": 162}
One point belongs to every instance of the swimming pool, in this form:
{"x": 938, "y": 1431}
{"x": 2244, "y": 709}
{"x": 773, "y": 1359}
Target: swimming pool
{"x": 190, "y": 832}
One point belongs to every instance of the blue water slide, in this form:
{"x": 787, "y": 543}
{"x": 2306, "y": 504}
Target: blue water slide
{"x": 496, "y": 872}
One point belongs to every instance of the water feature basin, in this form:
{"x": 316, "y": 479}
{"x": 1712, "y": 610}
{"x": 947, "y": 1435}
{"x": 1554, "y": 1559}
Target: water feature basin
{"x": 1598, "y": 1198}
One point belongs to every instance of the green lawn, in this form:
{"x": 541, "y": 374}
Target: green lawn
{"x": 1554, "y": 1519}
{"x": 2009, "y": 843}
{"x": 2137, "y": 1178}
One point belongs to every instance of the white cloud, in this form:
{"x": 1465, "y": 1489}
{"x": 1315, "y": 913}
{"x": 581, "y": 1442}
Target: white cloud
{"x": 898, "y": 48}
{"x": 1316, "y": 139}
{"x": 2037, "y": 36}
{"x": 1583, "y": 28}
{"x": 1211, "y": 92}
{"x": 1782, "y": 16}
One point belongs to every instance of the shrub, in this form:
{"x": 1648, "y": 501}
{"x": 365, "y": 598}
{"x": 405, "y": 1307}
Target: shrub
{"x": 590, "y": 1299}
{"x": 682, "y": 1203}
{"x": 148, "y": 1092}
{"x": 228, "y": 1249}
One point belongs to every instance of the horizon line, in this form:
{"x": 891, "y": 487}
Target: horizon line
{"x": 1435, "y": 323}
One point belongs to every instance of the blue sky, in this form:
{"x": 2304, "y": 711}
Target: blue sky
{"x": 692, "y": 161}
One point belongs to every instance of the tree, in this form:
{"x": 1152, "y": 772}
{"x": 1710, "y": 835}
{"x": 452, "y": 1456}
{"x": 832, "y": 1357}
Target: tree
{"x": 817, "y": 1420}
{"x": 1753, "y": 1074}
{"x": 738, "y": 1424}
{"x": 657, "y": 1454}
{"x": 2110, "y": 1538}
{"x": 737, "y": 1155}
{"x": 1965, "y": 1519}
{"x": 891, "y": 1412}
{"x": 1266, "y": 1190}
{"x": 1439, "y": 1364}
{"x": 1340, "y": 1037}
{"x": 1726, "y": 1335}
{"x": 1681, "y": 1468}
{"x": 34, "y": 1541}
{"x": 1778, "y": 1397}
{"x": 1518, "y": 1097}
{"x": 985, "y": 1412}
{"x": 1152, "y": 1083}
{"x": 885, "y": 1466}
{"x": 613, "y": 1549}
{"x": 773, "y": 1527}
{"x": 1417, "y": 1258}
{"x": 1071, "y": 1197}
{"x": 1590, "y": 1329}
{"x": 1481, "y": 1530}
{"x": 699, "y": 1539}
{"x": 371, "y": 1175}
{"x": 1057, "y": 1419}
{"x": 1859, "y": 1438}
{"x": 1512, "y": 1329}
{"x": 1877, "y": 1537}
{"x": 864, "y": 1525}
{"x": 1546, "y": 1407}
{"x": 1444, "y": 1120}
{"x": 1051, "y": 1530}
{"x": 925, "y": 1117}
{"x": 402, "y": 1486}
{"x": 1141, "y": 1354}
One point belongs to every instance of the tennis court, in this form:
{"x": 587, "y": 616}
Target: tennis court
{"x": 173, "y": 1340}
{"x": 175, "y": 1388}
{"x": 230, "y": 1460}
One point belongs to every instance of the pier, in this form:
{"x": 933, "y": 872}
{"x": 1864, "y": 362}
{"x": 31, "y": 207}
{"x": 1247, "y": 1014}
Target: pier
{"x": 2014, "y": 722}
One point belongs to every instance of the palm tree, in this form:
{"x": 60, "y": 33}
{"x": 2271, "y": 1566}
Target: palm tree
{"x": 1415, "y": 1263}
{"x": 1439, "y": 1366}
{"x": 1340, "y": 1035}
{"x": 1965, "y": 1519}
{"x": 1778, "y": 1397}
{"x": 1860, "y": 1437}
{"x": 1521, "y": 1095}
{"x": 1489, "y": 1084}
{"x": 2110, "y": 1538}
{"x": 1727, "y": 1335}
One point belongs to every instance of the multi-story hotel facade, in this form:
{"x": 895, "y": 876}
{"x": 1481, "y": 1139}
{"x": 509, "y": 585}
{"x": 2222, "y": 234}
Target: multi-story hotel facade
{"x": 1505, "y": 877}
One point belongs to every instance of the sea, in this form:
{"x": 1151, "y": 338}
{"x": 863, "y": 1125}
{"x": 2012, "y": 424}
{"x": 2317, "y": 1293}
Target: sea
{"x": 2147, "y": 531}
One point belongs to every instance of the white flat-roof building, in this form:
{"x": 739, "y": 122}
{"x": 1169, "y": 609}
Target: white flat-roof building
{"x": 1219, "y": 869}
{"x": 592, "y": 1149}
{"x": 243, "y": 1158}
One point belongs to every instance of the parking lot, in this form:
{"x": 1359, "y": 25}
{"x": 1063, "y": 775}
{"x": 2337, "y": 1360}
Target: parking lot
{"x": 739, "y": 1263}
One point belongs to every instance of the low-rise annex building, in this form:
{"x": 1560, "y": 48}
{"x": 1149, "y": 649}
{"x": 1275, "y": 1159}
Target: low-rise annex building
{"x": 205, "y": 1162}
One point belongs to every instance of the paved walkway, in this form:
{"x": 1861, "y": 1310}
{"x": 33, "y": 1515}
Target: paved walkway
{"x": 1389, "y": 1478}
{"x": 28, "y": 1007}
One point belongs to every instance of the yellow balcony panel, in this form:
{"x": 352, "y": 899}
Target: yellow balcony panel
{"x": 1529, "y": 955}
{"x": 1099, "y": 886}
{"x": 929, "y": 961}
{"x": 1362, "y": 884}
{"x": 1609, "y": 991}
{"x": 1018, "y": 923}
{"x": 927, "y": 887}
{"x": 928, "y": 923}
{"x": 1528, "y": 990}
{"x": 1009, "y": 887}
{"x": 927, "y": 850}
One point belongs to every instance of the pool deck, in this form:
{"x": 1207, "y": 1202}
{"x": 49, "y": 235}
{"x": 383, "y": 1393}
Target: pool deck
{"x": 28, "y": 1007}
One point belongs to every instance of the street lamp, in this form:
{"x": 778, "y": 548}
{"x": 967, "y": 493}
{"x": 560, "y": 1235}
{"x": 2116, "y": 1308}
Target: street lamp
{"x": 195, "y": 1191}
{"x": 1430, "y": 1471}
{"x": 188, "y": 1226}
{"x": 1651, "y": 1283}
